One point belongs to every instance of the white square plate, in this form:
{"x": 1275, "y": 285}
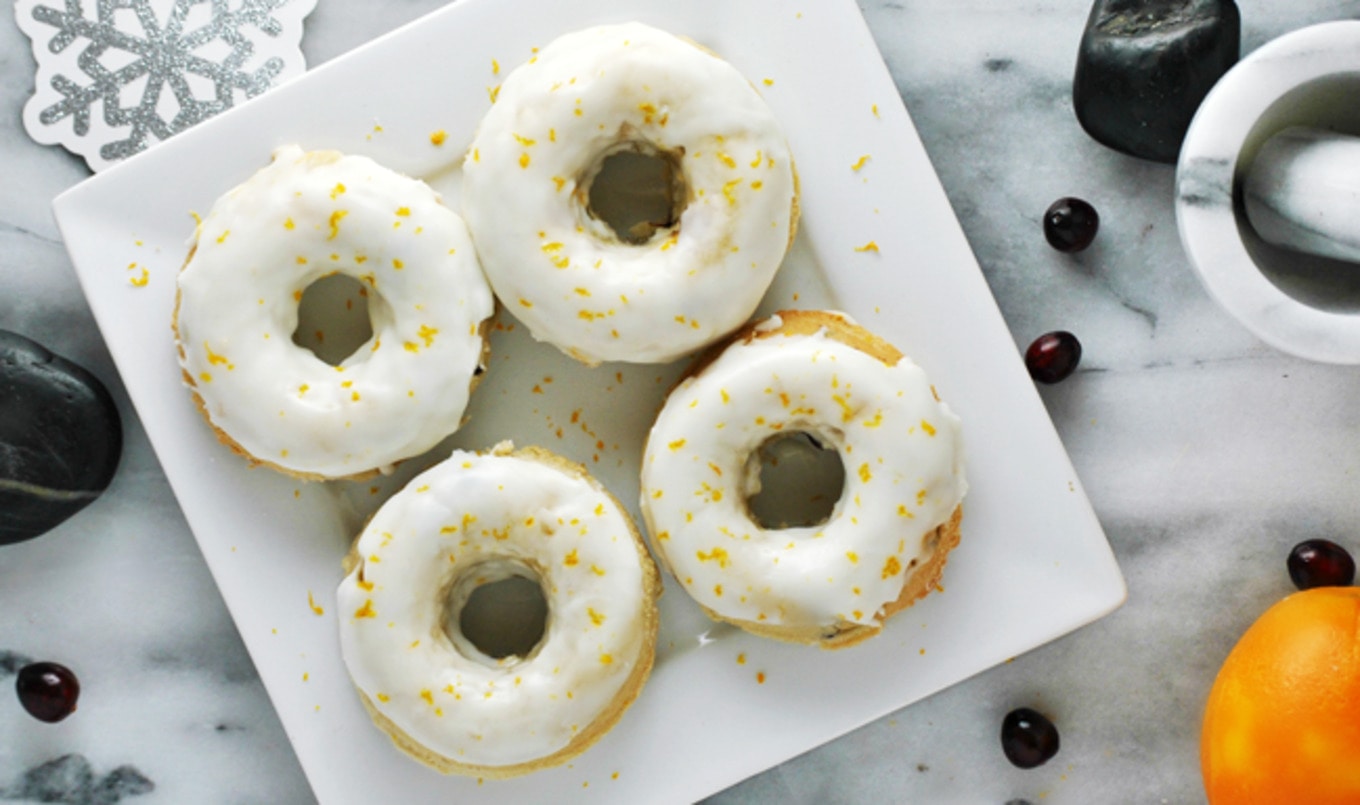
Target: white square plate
{"x": 721, "y": 705}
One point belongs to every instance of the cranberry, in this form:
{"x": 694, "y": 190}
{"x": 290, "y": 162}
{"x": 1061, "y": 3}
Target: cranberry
{"x": 48, "y": 691}
{"x": 1070, "y": 224}
{"x": 1028, "y": 738}
{"x": 1320, "y": 563}
{"x": 1053, "y": 356}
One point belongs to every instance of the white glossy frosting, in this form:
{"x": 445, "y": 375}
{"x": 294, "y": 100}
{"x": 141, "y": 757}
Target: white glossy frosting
{"x": 489, "y": 515}
{"x": 566, "y": 274}
{"x": 902, "y": 454}
{"x": 304, "y": 217}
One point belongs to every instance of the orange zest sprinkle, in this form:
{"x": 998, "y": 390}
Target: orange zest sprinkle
{"x": 335, "y": 223}
{"x": 716, "y": 555}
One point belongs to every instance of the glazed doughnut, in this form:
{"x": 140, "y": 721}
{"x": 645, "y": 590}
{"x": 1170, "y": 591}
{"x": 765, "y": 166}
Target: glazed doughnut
{"x": 887, "y": 539}
{"x": 475, "y": 519}
{"x": 690, "y": 273}
{"x": 304, "y": 217}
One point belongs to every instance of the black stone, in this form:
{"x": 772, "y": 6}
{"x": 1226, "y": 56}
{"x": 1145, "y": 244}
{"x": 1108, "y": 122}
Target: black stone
{"x": 60, "y": 438}
{"x": 1144, "y": 67}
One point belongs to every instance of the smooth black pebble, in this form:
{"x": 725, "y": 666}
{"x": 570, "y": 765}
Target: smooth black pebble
{"x": 60, "y": 438}
{"x": 1144, "y": 66}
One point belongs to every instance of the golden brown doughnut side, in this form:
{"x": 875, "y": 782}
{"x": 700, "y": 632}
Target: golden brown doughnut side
{"x": 799, "y": 322}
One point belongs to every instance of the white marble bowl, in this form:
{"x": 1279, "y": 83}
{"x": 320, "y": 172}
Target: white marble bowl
{"x": 1302, "y": 304}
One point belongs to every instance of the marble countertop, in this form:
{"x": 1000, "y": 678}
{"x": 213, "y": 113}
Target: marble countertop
{"x": 1206, "y": 455}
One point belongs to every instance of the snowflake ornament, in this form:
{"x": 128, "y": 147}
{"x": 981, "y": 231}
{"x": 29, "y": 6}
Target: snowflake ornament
{"x": 135, "y": 72}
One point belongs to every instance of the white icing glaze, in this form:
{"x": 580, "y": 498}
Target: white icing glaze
{"x": 302, "y": 218}
{"x": 565, "y": 274}
{"x": 902, "y": 453}
{"x": 485, "y": 514}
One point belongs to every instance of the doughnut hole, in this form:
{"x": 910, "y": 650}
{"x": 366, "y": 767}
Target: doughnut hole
{"x": 496, "y": 610}
{"x": 334, "y": 320}
{"x": 794, "y": 480}
{"x": 636, "y": 190}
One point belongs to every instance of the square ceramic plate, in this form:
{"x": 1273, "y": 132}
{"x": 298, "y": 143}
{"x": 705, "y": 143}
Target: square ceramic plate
{"x": 721, "y": 705}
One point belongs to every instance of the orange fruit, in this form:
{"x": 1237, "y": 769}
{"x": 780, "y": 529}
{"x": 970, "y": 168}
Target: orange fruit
{"x": 1282, "y": 723}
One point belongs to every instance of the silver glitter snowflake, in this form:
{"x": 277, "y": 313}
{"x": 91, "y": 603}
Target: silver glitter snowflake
{"x": 161, "y": 59}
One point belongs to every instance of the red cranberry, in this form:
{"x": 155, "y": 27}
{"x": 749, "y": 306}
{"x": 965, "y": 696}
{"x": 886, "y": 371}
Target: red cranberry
{"x": 1320, "y": 563}
{"x": 48, "y": 691}
{"x": 1028, "y": 738}
{"x": 1053, "y": 356}
{"x": 1070, "y": 224}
